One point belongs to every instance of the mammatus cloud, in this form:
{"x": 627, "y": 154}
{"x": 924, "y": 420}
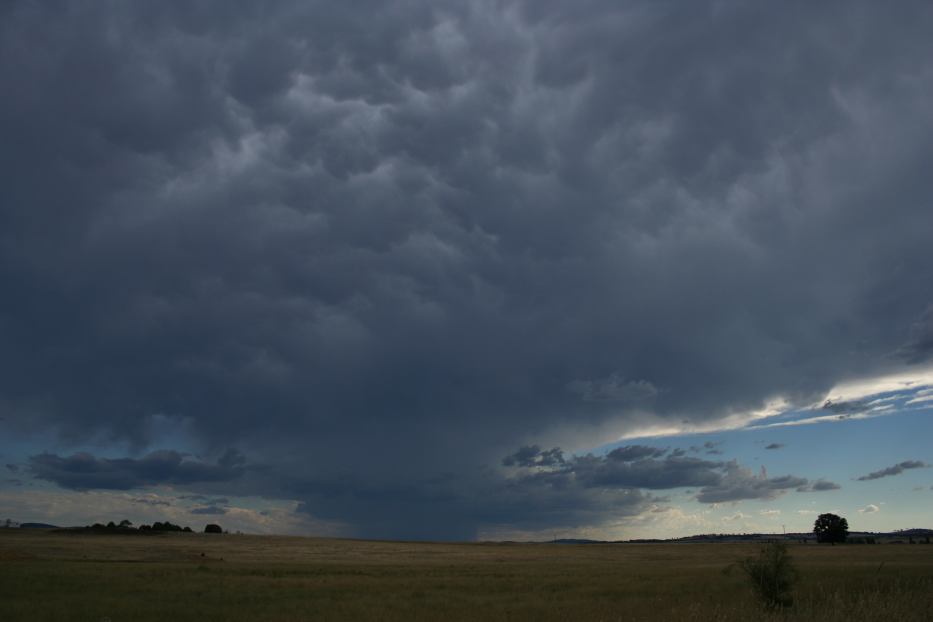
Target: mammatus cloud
{"x": 454, "y": 225}
{"x": 897, "y": 469}
{"x": 83, "y": 471}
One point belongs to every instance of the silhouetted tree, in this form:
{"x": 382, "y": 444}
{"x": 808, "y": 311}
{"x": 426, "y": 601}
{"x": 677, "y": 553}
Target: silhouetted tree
{"x": 212, "y": 528}
{"x": 831, "y": 528}
{"x": 125, "y": 523}
{"x": 166, "y": 526}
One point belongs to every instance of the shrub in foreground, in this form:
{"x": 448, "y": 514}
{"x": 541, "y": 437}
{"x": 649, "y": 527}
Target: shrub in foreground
{"x": 772, "y": 575}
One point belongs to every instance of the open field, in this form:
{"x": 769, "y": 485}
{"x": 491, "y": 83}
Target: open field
{"x": 48, "y": 576}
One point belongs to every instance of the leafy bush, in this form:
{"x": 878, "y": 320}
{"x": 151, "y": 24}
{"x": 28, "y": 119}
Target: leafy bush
{"x": 772, "y": 575}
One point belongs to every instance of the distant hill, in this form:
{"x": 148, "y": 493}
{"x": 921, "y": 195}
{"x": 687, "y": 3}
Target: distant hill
{"x": 37, "y": 526}
{"x": 855, "y": 536}
{"x": 913, "y": 532}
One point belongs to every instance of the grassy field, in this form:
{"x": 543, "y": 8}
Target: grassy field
{"x": 47, "y": 576}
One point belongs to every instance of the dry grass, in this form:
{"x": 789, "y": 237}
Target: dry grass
{"x": 46, "y": 576}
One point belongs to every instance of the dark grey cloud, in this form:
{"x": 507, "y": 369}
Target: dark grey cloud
{"x": 646, "y": 473}
{"x": 614, "y": 388}
{"x": 13, "y": 468}
{"x": 919, "y": 345}
{"x": 209, "y": 510}
{"x": 897, "y": 469}
{"x": 533, "y": 455}
{"x": 710, "y": 448}
{"x": 774, "y": 446}
{"x": 580, "y": 490}
{"x": 83, "y": 471}
{"x": 457, "y": 226}
{"x": 820, "y": 485}
{"x": 206, "y": 500}
{"x": 718, "y": 481}
{"x": 431, "y": 510}
{"x": 628, "y": 453}
{"x": 739, "y": 483}
{"x": 844, "y": 409}
{"x": 148, "y": 501}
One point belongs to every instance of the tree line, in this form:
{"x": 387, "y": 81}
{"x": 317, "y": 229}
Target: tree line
{"x": 126, "y": 525}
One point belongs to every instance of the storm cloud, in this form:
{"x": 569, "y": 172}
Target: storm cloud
{"x": 919, "y": 345}
{"x": 379, "y": 246}
{"x": 532, "y": 455}
{"x": 83, "y": 471}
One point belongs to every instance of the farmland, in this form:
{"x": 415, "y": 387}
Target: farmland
{"x": 54, "y": 576}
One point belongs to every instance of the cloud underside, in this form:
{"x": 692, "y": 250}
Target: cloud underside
{"x": 381, "y": 244}
{"x": 83, "y": 471}
{"x": 897, "y": 469}
{"x": 541, "y": 488}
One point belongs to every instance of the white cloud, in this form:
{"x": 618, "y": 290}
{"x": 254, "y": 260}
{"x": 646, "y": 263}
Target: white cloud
{"x": 915, "y": 382}
{"x": 871, "y": 508}
{"x": 853, "y": 390}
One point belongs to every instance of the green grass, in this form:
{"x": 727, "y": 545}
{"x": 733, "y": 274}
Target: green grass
{"x": 45, "y": 576}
